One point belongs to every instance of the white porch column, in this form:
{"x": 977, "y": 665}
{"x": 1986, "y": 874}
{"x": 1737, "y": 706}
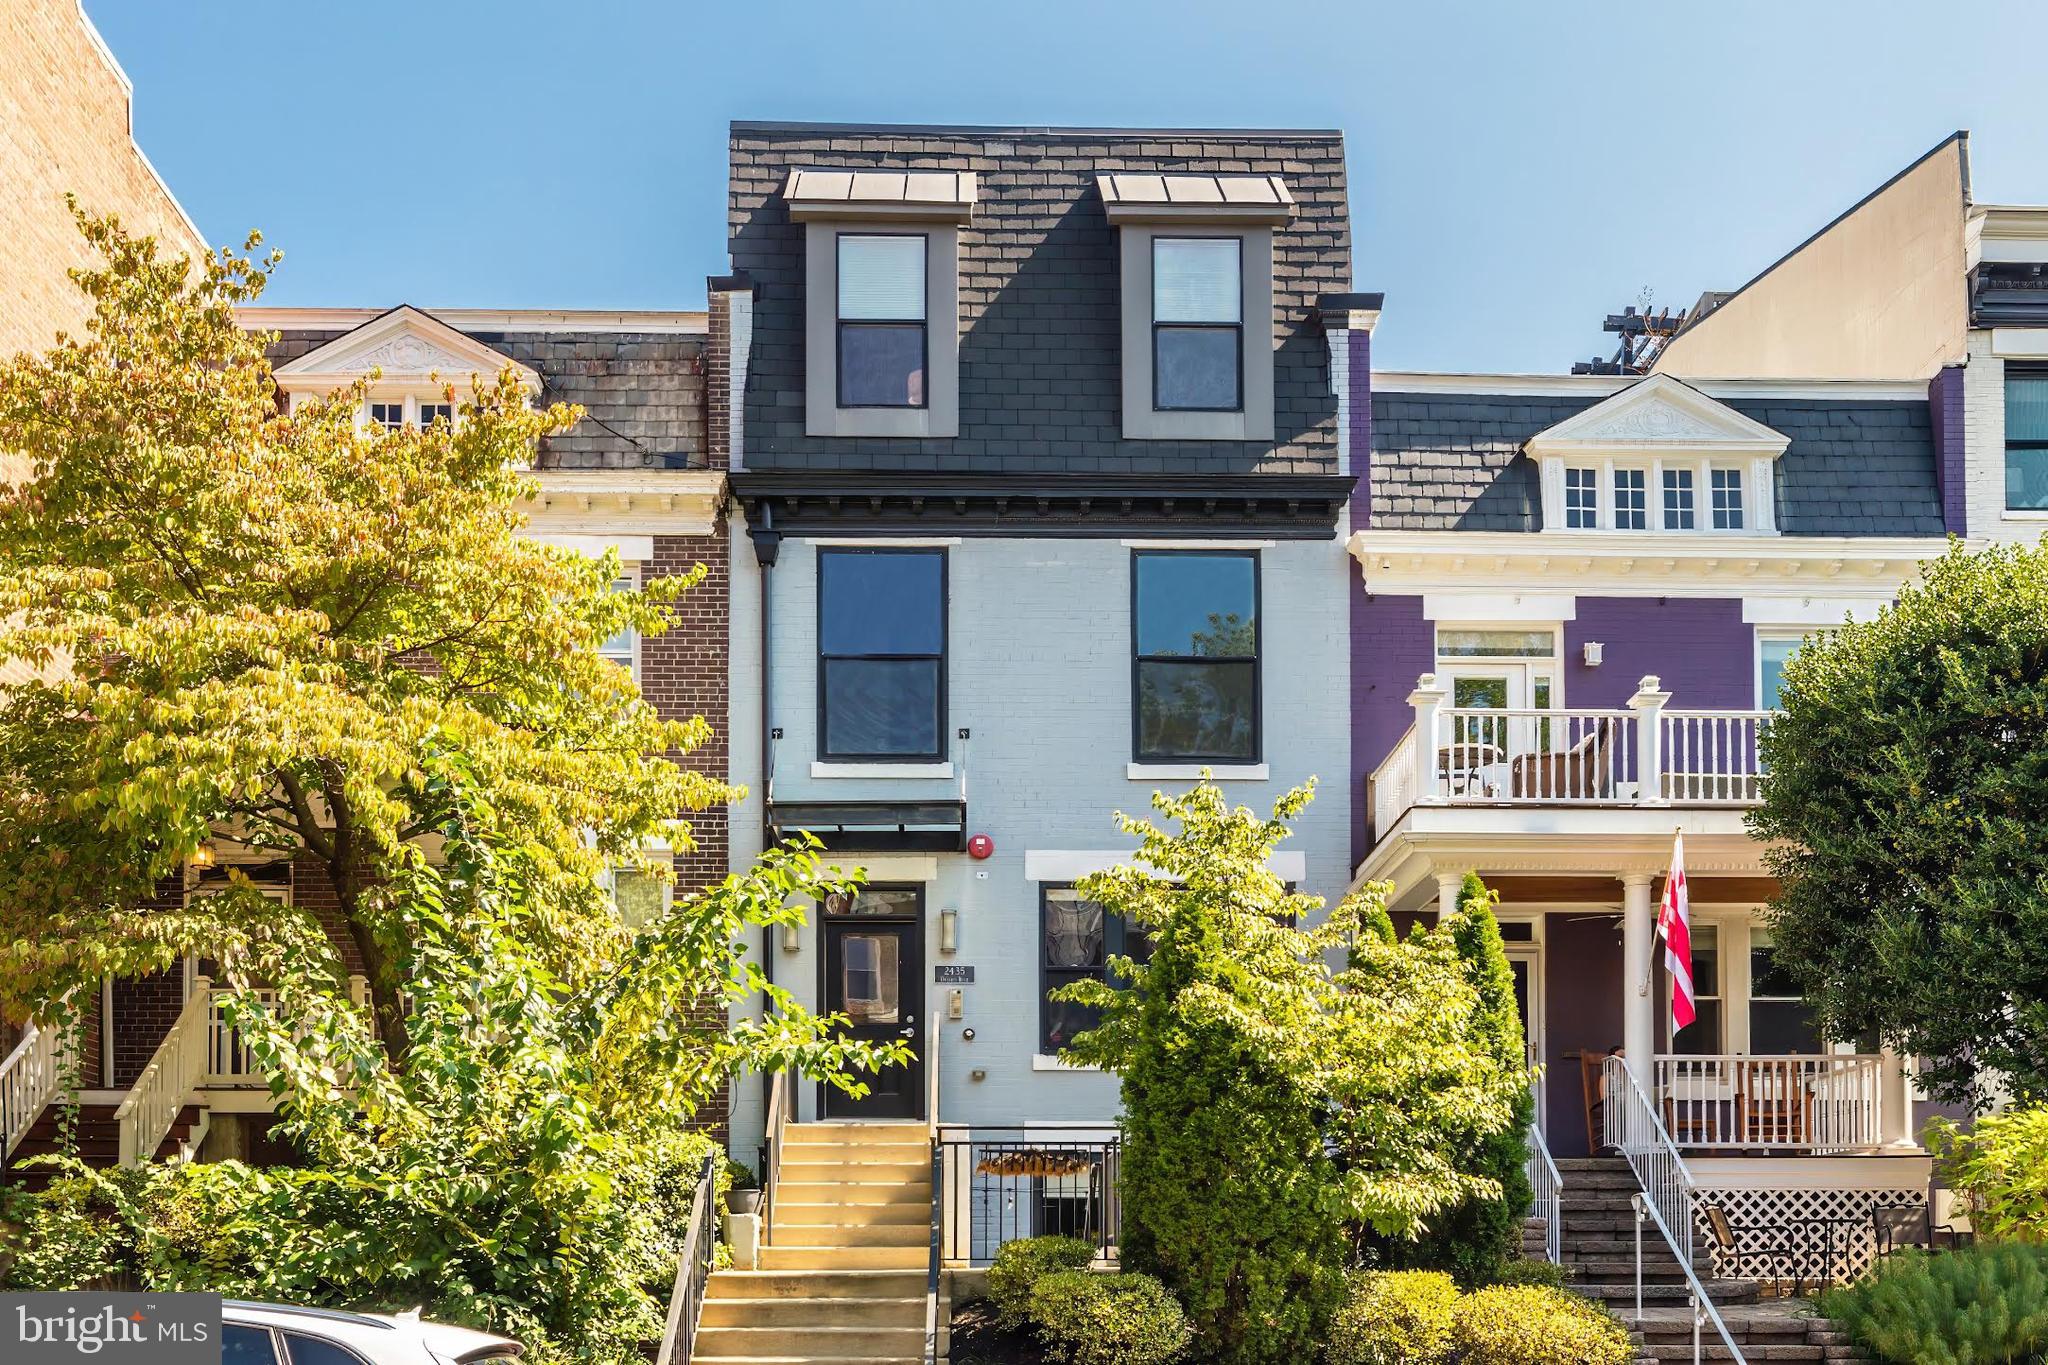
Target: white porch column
{"x": 1895, "y": 1101}
{"x": 1648, "y": 704}
{"x": 1448, "y": 884}
{"x": 1639, "y": 1000}
{"x": 1427, "y": 699}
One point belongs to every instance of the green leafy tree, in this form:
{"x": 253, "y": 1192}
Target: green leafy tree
{"x": 1474, "y": 1239}
{"x": 1271, "y": 1103}
{"x": 1903, "y": 795}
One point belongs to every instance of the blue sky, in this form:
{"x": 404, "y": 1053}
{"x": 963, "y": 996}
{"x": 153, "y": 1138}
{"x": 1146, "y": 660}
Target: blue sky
{"x": 1517, "y": 169}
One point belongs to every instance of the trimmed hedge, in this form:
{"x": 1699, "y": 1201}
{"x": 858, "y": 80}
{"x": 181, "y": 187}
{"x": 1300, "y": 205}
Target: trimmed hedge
{"x": 1019, "y": 1266}
{"x": 1531, "y": 1325}
{"x": 1121, "y": 1319}
{"x": 1399, "y": 1317}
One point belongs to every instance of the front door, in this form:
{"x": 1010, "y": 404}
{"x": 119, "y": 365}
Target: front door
{"x": 874, "y": 971}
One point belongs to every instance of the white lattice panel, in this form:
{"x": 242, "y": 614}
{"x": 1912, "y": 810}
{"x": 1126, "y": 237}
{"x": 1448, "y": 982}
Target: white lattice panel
{"x": 1855, "y": 1244}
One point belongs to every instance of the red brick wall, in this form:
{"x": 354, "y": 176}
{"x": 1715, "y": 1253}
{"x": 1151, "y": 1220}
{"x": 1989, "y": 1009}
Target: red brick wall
{"x": 313, "y": 892}
{"x": 144, "y": 1007}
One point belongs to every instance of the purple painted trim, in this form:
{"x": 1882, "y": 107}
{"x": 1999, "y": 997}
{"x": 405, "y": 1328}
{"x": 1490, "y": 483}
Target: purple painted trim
{"x": 1361, "y": 427}
{"x": 1945, "y": 404}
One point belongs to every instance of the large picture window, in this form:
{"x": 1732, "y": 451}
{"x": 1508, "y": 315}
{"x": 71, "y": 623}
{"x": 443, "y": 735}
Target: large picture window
{"x": 882, "y": 316}
{"x": 1076, "y": 940}
{"x": 1780, "y": 1020}
{"x": 2026, "y": 440}
{"x": 881, "y": 654}
{"x": 1702, "y": 1037}
{"x": 1197, "y": 324}
{"x": 1195, "y": 630}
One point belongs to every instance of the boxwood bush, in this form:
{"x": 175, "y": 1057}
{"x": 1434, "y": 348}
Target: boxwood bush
{"x": 1532, "y": 1325}
{"x": 1978, "y": 1306}
{"x": 1019, "y": 1266}
{"x": 1400, "y": 1317}
{"x": 1124, "y": 1319}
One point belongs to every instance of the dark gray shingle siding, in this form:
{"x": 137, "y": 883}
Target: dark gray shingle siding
{"x": 1040, "y": 351}
{"x": 1453, "y": 462}
{"x": 643, "y": 392}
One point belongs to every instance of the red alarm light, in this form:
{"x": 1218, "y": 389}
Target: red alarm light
{"x": 980, "y": 846}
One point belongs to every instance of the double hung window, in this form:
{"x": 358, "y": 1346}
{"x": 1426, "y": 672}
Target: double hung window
{"x": 1197, "y": 324}
{"x": 883, "y": 337}
{"x": 882, "y": 654}
{"x": 2026, "y": 440}
{"x": 1077, "y": 938}
{"x": 1195, "y": 667}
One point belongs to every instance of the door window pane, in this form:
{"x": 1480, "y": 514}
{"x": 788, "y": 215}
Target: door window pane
{"x": 868, "y": 978}
{"x": 882, "y": 653}
{"x": 1496, "y": 644}
{"x": 640, "y": 897}
{"x": 874, "y": 902}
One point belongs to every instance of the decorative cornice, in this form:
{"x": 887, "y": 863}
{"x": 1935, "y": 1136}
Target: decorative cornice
{"x": 1659, "y": 415}
{"x": 408, "y": 347}
{"x": 676, "y": 502}
{"x": 1264, "y": 506}
{"x": 1647, "y": 564}
{"x": 1601, "y": 386}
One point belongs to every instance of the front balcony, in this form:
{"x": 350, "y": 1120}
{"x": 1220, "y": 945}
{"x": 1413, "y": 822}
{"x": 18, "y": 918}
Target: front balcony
{"x": 1791, "y": 1104}
{"x": 1643, "y": 755}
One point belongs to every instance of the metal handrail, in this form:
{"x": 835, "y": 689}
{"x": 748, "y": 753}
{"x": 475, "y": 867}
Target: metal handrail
{"x": 779, "y": 1100}
{"x": 933, "y": 1265}
{"x": 693, "y": 1271}
{"x": 1667, "y": 1193}
{"x": 1548, "y": 1188}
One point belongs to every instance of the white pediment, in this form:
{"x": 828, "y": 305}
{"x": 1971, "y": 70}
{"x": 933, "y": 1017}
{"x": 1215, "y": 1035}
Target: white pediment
{"x": 1659, "y": 415}
{"x": 408, "y": 348}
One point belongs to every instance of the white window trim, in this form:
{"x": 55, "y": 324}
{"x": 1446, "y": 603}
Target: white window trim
{"x": 1774, "y": 634}
{"x": 1448, "y": 665}
{"x": 1759, "y": 493}
{"x": 628, "y": 573}
{"x": 1192, "y": 772}
{"x": 610, "y": 884}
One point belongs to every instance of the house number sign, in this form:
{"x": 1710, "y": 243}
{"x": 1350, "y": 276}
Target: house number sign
{"x": 947, "y": 971}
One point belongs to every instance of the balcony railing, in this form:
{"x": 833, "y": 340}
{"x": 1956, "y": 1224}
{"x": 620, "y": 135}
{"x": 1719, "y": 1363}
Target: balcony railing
{"x": 1832, "y": 1102}
{"x": 999, "y": 1184}
{"x": 1643, "y": 754}
{"x": 230, "y": 1061}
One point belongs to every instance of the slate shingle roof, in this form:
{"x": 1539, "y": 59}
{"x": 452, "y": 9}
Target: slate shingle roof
{"x": 1040, "y": 352}
{"x": 1444, "y": 462}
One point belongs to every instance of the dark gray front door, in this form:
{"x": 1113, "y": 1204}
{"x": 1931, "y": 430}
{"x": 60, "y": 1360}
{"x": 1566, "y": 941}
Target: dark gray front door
{"x": 874, "y": 972}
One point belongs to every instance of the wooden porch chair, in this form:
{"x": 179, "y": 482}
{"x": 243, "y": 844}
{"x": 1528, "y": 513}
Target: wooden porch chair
{"x": 1581, "y": 771}
{"x": 1592, "y": 1084}
{"x": 1773, "y": 1105}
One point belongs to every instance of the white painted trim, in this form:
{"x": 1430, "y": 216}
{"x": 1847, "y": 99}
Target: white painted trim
{"x": 336, "y": 364}
{"x": 1063, "y": 865}
{"x": 881, "y": 771}
{"x": 1600, "y": 385}
{"x": 1140, "y": 543}
{"x": 632, "y": 549}
{"x": 1463, "y": 607}
{"x": 1907, "y": 1171}
{"x": 1698, "y": 425}
{"x": 1041, "y": 1062}
{"x": 2019, "y": 343}
{"x": 1192, "y": 772}
{"x": 1807, "y": 611}
{"x": 881, "y": 542}
{"x": 485, "y": 319}
{"x": 888, "y": 868}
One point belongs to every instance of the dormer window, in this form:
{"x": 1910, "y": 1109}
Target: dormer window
{"x": 881, "y": 299}
{"x": 882, "y": 333}
{"x": 1197, "y": 324}
{"x": 1659, "y": 456}
{"x": 409, "y": 361}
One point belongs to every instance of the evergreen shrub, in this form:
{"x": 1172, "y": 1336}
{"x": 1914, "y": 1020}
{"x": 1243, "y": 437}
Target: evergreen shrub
{"x": 1019, "y": 1266}
{"x": 1982, "y": 1305}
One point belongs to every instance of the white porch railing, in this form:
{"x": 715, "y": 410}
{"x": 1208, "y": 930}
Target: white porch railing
{"x": 1666, "y": 1195}
{"x": 230, "y": 1061}
{"x": 175, "y": 1072}
{"x": 29, "y": 1080}
{"x": 1829, "y": 1102}
{"x": 1641, "y": 754}
{"x": 1548, "y": 1188}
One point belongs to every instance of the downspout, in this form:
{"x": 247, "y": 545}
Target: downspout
{"x": 767, "y": 545}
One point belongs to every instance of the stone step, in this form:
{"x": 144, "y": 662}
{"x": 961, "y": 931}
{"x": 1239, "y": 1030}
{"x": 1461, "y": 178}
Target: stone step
{"x": 861, "y": 1171}
{"x": 912, "y": 1213}
{"x": 852, "y": 1235}
{"x": 795, "y": 1312}
{"x": 835, "y": 1192}
{"x": 779, "y": 1257}
{"x": 1618, "y": 1294}
{"x": 809, "y": 1343}
{"x": 818, "y": 1284}
{"x": 801, "y": 1134}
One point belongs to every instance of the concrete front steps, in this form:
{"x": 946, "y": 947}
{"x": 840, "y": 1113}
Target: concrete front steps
{"x": 842, "y": 1272}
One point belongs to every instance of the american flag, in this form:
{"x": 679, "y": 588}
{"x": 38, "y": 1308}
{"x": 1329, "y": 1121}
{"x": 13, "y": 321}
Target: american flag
{"x": 1674, "y": 926}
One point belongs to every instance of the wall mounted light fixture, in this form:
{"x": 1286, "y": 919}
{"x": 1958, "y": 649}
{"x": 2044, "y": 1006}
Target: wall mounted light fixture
{"x": 1594, "y": 649}
{"x": 792, "y": 937}
{"x": 949, "y": 930}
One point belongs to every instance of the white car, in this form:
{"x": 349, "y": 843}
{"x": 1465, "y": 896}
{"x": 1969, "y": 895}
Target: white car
{"x": 275, "y": 1334}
